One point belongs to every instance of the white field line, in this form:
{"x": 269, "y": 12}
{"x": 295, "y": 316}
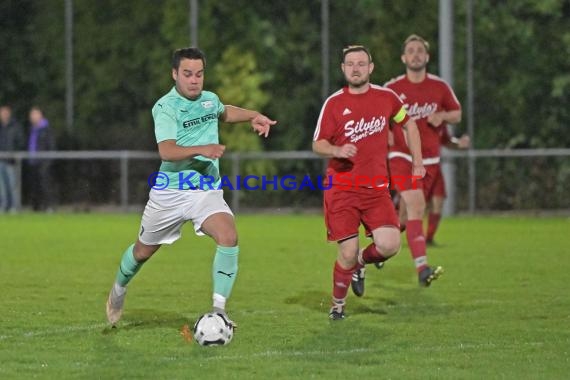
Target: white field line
{"x": 278, "y": 353}
{"x": 267, "y": 354}
{"x": 59, "y": 331}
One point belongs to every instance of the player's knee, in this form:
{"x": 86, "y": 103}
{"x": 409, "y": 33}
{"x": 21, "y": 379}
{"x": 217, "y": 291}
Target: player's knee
{"x": 389, "y": 247}
{"x": 347, "y": 258}
{"x": 143, "y": 252}
{"x": 227, "y": 239}
{"x": 415, "y": 208}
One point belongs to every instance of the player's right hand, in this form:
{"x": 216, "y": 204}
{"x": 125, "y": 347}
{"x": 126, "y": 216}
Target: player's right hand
{"x": 435, "y": 119}
{"x": 213, "y": 150}
{"x": 346, "y": 151}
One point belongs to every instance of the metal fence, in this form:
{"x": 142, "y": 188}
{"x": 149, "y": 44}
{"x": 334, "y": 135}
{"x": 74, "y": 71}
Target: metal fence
{"x": 522, "y": 179}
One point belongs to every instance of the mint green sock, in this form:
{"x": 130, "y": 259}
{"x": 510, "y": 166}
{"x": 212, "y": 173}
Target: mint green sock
{"x": 224, "y": 269}
{"x": 128, "y": 268}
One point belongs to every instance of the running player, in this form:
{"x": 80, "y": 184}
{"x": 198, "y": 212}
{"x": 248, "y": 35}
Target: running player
{"x": 431, "y": 102}
{"x": 352, "y": 130}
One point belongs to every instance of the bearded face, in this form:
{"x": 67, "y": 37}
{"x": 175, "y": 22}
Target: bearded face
{"x": 357, "y": 69}
{"x": 415, "y": 56}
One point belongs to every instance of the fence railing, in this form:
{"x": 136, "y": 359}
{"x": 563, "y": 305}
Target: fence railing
{"x": 124, "y": 159}
{"x": 472, "y": 155}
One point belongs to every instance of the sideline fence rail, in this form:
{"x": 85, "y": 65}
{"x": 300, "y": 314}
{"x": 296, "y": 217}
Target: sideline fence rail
{"x": 124, "y": 157}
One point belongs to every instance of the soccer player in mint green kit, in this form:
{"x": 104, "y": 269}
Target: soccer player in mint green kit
{"x": 186, "y": 129}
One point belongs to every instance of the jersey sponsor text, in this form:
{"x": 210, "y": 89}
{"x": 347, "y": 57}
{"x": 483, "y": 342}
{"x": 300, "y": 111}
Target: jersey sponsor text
{"x": 358, "y": 130}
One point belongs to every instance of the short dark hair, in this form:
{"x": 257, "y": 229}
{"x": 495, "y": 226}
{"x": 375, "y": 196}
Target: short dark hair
{"x": 353, "y": 48}
{"x": 188, "y": 53}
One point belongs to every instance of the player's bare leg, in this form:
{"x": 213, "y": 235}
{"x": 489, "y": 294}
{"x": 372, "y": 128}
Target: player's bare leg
{"x": 132, "y": 260}
{"x": 403, "y": 218}
{"x": 386, "y": 244}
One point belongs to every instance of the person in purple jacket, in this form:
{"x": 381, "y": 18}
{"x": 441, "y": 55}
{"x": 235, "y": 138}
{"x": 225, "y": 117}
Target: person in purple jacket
{"x": 39, "y": 178}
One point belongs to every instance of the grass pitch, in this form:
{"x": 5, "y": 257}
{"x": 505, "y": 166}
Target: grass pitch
{"x": 501, "y": 310}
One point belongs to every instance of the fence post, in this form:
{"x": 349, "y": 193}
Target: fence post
{"x": 445, "y": 38}
{"x": 18, "y": 174}
{"x": 472, "y": 182}
{"x": 235, "y": 173}
{"x": 124, "y": 181}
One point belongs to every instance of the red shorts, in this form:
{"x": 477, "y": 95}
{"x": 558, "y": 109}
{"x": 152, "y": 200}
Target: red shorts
{"x": 438, "y": 189}
{"x": 345, "y": 210}
{"x": 401, "y": 177}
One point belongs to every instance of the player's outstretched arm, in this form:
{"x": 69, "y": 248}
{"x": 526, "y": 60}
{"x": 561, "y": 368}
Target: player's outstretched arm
{"x": 463, "y": 142}
{"x": 451, "y": 117}
{"x": 259, "y": 122}
{"x": 326, "y": 149}
{"x": 170, "y": 151}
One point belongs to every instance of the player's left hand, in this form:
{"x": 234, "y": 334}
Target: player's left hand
{"x": 418, "y": 171}
{"x": 261, "y": 124}
{"x": 464, "y": 142}
{"x": 435, "y": 119}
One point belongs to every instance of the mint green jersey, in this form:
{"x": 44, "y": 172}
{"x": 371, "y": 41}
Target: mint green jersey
{"x": 190, "y": 123}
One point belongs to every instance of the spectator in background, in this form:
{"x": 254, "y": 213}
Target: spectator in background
{"x": 39, "y": 177}
{"x": 11, "y": 139}
{"x": 437, "y": 197}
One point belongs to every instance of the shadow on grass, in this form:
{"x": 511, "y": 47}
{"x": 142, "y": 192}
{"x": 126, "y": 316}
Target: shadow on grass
{"x": 381, "y": 299}
{"x": 371, "y": 321}
{"x": 312, "y": 299}
{"x": 320, "y": 301}
{"x": 147, "y": 319}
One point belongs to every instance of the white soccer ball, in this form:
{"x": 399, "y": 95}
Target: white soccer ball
{"x": 213, "y": 329}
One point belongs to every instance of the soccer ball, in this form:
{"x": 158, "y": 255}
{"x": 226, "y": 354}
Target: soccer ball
{"x": 213, "y": 329}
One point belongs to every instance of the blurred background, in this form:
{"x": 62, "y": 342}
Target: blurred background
{"x": 96, "y": 69}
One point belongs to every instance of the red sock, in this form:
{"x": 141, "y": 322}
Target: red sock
{"x": 433, "y": 223}
{"x": 417, "y": 243}
{"x": 371, "y": 255}
{"x": 341, "y": 281}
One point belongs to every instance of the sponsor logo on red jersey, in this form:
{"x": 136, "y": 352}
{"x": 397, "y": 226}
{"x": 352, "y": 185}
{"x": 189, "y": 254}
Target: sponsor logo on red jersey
{"x": 357, "y": 130}
{"x": 419, "y": 112}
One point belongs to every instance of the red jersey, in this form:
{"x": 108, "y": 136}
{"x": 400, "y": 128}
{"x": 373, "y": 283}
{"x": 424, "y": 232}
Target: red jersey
{"x": 444, "y": 135}
{"x": 422, "y": 99}
{"x": 362, "y": 120}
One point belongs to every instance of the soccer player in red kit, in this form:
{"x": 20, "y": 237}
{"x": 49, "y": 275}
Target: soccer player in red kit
{"x": 437, "y": 196}
{"x": 430, "y": 101}
{"x": 352, "y": 130}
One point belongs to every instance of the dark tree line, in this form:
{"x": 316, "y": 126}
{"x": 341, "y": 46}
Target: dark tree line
{"x": 267, "y": 54}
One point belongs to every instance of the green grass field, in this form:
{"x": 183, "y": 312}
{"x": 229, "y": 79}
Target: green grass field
{"x": 502, "y": 309}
